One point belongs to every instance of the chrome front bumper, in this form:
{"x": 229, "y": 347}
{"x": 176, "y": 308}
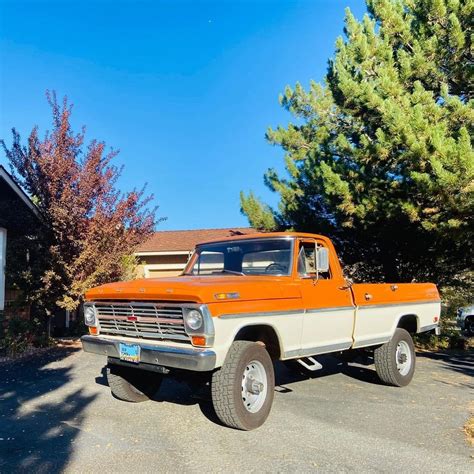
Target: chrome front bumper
{"x": 193, "y": 358}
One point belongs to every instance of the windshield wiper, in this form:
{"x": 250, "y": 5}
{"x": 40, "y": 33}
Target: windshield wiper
{"x": 232, "y": 272}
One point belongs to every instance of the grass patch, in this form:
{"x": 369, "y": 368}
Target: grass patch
{"x": 469, "y": 430}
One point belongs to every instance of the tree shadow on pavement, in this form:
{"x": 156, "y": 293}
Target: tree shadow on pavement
{"x": 183, "y": 393}
{"x": 180, "y": 391}
{"x": 287, "y": 374}
{"x": 38, "y": 436}
{"x": 458, "y": 361}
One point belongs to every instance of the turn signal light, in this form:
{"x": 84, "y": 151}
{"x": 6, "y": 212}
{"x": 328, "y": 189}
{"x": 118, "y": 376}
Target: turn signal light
{"x": 227, "y": 296}
{"x": 93, "y": 330}
{"x": 198, "y": 340}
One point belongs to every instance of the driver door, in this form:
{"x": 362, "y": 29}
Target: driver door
{"x": 329, "y": 312}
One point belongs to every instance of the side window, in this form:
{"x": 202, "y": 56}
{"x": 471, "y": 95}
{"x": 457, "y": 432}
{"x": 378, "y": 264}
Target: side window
{"x": 307, "y": 261}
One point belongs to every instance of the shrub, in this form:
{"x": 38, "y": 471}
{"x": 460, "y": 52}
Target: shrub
{"x": 21, "y": 335}
{"x": 77, "y": 328}
{"x": 450, "y": 338}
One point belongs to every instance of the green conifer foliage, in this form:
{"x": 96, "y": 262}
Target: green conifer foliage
{"x": 380, "y": 155}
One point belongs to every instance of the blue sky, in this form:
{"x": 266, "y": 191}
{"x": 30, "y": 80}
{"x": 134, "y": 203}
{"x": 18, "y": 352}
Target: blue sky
{"x": 185, "y": 89}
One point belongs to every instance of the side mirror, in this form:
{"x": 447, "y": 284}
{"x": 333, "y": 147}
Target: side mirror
{"x": 322, "y": 259}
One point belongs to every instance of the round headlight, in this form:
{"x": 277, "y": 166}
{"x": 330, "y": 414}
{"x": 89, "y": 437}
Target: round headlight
{"x": 194, "y": 319}
{"x": 89, "y": 315}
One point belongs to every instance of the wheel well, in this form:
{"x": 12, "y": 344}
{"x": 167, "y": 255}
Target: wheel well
{"x": 261, "y": 333}
{"x": 409, "y": 322}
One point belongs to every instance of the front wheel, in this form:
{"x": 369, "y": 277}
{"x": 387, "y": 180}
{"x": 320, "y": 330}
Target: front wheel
{"x": 395, "y": 360}
{"x": 242, "y": 389}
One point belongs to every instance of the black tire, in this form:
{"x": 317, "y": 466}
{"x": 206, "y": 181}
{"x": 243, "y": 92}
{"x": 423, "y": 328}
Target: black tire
{"x": 132, "y": 385}
{"x": 228, "y": 393}
{"x": 385, "y": 358}
{"x": 469, "y": 326}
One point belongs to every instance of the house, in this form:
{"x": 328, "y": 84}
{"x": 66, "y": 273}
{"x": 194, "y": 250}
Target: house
{"x": 18, "y": 217}
{"x": 166, "y": 253}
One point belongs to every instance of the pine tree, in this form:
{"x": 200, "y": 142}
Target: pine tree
{"x": 381, "y": 156}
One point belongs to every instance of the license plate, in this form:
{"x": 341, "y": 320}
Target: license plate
{"x": 129, "y": 352}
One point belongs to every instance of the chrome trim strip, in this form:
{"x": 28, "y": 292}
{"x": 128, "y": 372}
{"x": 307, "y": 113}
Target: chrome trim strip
{"x": 325, "y": 310}
{"x": 430, "y": 327}
{"x": 264, "y": 314}
{"x": 331, "y": 309}
{"x": 390, "y": 305}
{"x": 201, "y": 360}
{"x": 247, "y": 238}
{"x": 370, "y": 342}
{"x": 154, "y": 302}
{"x": 317, "y": 350}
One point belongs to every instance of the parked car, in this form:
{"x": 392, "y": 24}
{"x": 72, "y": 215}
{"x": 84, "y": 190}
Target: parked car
{"x": 241, "y": 304}
{"x": 465, "y": 319}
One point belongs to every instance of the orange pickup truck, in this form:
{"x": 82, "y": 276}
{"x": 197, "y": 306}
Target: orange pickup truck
{"x": 243, "y": 303}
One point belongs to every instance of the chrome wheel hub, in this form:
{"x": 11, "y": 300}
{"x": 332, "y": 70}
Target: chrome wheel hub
{"x": 403, "y": 358}
{"x": 254, "y": 386}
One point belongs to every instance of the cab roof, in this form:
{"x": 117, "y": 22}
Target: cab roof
{"x": 267, "y": 235}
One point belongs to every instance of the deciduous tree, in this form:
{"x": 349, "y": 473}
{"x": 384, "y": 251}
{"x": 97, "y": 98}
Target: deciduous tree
{"x": 89, "y": 229}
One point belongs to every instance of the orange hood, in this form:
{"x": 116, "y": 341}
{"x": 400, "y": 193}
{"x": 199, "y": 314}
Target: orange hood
{"x": 197, "y": 289}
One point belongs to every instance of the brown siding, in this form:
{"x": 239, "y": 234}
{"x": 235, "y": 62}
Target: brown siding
{"x": 173, "y": 265}
{"x": 156, "y": 259}
{"x": 163, "y": 273}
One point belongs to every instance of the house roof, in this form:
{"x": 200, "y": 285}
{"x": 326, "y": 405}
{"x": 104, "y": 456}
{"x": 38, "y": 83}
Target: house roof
{"x": 186, "y": 240}
{"x": 11, "y": 183}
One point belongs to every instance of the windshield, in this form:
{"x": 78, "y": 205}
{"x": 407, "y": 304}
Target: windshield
{"x": 243, "y": 257}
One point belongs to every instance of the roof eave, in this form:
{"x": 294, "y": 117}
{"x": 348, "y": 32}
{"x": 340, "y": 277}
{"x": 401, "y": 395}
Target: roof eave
{"x": 18, "y": 191}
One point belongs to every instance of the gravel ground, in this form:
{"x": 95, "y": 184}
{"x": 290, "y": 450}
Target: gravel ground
{"x": 57, "y": 415}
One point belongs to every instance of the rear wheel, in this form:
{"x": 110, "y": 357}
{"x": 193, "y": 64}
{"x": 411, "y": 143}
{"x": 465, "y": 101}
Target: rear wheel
{"x": 395, "y": 360}
{"x": 132, "y": 385}
{"x": 242, "y": 389}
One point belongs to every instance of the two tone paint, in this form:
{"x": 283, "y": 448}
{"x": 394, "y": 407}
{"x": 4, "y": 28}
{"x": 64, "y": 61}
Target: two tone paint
{"x": 304, "y": 332}
{"x": 309, "y": 316}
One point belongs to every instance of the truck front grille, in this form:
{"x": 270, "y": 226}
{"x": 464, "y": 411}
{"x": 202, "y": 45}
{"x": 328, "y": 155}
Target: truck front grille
{"x": 161, "y": 321}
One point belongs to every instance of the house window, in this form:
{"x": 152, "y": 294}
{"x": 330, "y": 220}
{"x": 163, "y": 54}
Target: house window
{"x": 3, "y": 251}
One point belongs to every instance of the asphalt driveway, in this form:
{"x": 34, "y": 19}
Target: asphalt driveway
{"x": 57, "y": 414}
